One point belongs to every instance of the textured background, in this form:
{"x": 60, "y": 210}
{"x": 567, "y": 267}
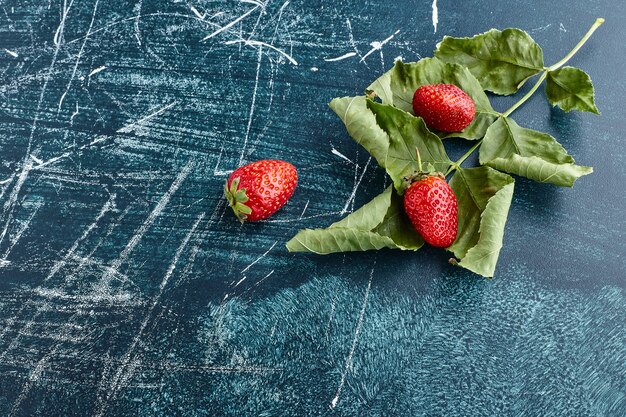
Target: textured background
{"x": 127, "y": 288}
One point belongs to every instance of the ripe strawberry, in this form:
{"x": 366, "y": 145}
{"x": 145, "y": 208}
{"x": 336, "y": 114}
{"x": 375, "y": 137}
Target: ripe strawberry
{"x": 431, "y": 206}
{"x": 444, "y": 107}
{"x": 264, "y": 186}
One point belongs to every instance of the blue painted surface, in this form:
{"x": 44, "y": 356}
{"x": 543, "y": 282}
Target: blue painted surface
{"x": 126, "y": 288}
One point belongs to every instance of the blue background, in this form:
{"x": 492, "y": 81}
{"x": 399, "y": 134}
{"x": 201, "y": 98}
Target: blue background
{"x": 128, "y": 288}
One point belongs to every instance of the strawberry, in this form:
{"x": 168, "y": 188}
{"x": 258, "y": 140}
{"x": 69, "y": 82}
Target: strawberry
{"x": 444, "y": 107}
{"x": 257, "y": 190}
{"x": 431, "y": 206}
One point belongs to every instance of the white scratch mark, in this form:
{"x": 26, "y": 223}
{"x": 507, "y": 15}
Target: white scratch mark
{"x": 141, "y": 231}
{"x": 129, "y": 127}
{"x": 562, "y": 28}
{"x": 314, "y": 69}
{"x": 97, "y": 70}
{"x": 259, "y": 258}
{"x": 240, "y": 281}
{"x": 332, "y": 213}
{"x": 124, "y": 129}
{"x": 273, "y": 331}
{"x": 12, "y": 53}
{"x": 398, "y": 58}
{"x": 57, "y": 35}
{"x": 80, "y": 54}
{"x": 231, "y": 24}
{"x": 331, "y": 314}
{"x": 339, "y": 154}
{"x": 249, "y": 126}
{"x": 86, "y": 258}
{"x": 219, "y": 172}
{"x": 541, "y": 28}
{"x": 108, "y": 206}
{"x": 255, "y": 2}
{"x": 18, "y": 235}
{"x": 34, "y": 376}
{"x": 124, "y": 367}
{"x": 264, "y": 278}
{"x": 285, "y": 4}
{"x": 356, "y": 186}
{"x": 304, "y": 209}
{"x": 259, "y": 43}
{"x": 137, "y": 31}
{"x": 339, "y": 58}
{"x": 26, "y": 167}
{"x": 197, "y": 13}
{"x": 37, "y": 160}
{"x": 376, "y": 46}
{"x": 215, "y": 15}
{"x": 222, "y": 173}
{"x": 351, "y": 38}
{"x": 10, "y": 203}
{"x": 435, "y": 15}
{"x": 359, "y": 323}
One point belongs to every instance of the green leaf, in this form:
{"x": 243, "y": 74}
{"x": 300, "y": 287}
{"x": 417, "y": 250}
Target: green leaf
{"x": 501, "y": 60}
{"x": 406, "y": 78}
{"x": 528, "y": 153}
{"x": 393, "y": 146}
{"x": 361, "y": 125}
{"x": 381, "y": 223}
{"x": 407, "y": 133}
{"x": 370, "y": 215}
{"x": 382, "y": 88}
{"x": 484, "y": 197}
{"x": 571, "y": 89}
{"x": 398, "y": 227}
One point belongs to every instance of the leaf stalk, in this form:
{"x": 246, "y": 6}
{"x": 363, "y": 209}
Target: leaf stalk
{"x": 584, "y": 39}
{"x": 599, "y": 21}
{"x": 458, "y": 163}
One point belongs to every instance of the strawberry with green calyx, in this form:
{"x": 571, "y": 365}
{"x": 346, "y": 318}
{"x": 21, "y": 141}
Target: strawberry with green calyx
{"x": 432, "y": 208}
{"x": 257, "y": 190}
{"x": 444, "y": 107}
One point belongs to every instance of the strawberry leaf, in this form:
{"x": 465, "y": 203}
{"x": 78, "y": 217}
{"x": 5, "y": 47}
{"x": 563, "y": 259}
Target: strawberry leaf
{"x": 361, "y": 125}
{"x": 571, "y": 89}
{"x": 381, "y": 223}
{"x": 528, "y": 153}
{"x": 502, "y": 61}
{"x": 484, "y": 197}
{"x": 382, "y": 88}
{"x": 391, "y": 136}
{"x": 407, "y": 133}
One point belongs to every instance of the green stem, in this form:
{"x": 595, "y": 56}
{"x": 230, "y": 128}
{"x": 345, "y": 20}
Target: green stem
{"x": 458, "y": 163}
{"x": 544, "y": 74}
{"x": 558, "y": 65}
{"x": 567, "y": 57}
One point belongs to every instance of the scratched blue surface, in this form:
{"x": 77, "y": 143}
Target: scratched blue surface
{"x": 127, "y": 288}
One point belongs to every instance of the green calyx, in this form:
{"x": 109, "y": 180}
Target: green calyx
{"x": 236, "y": 199}
{"x": 421, "y": 173}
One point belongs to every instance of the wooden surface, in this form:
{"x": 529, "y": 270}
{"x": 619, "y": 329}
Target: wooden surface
{"x": 128, "y": 288}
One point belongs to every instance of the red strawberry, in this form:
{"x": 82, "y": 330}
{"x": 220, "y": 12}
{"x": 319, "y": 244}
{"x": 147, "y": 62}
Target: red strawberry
{"x": 264, "y": 186}
{"x": 431, "y": 206}
{"x": 444, "y": 107}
